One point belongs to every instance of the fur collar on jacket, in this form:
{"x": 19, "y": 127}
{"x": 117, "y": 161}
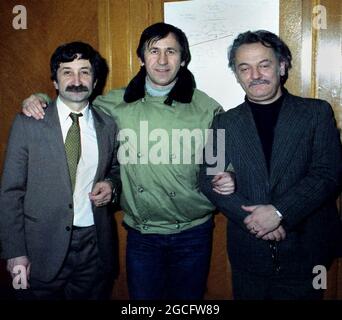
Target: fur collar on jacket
{"x": 182, "y": 91}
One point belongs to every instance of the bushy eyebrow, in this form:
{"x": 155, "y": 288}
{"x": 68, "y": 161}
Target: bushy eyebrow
{"x": 247, "y": 64}
{"x": 158, "y": 48}
{"x": 265, "y": 60}
{"x": 69, "y": 68}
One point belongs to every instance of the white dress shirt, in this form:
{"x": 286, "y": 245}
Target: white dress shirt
{"x": 87, "y": 166}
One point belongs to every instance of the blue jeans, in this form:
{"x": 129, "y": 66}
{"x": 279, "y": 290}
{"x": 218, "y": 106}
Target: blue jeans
{"x": 172, "y": 266}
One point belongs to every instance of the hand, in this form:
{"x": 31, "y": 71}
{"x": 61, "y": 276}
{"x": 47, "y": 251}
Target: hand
{"x": 223, "y": 183}
{"x": 21, "y": 261}
{"x": 101, "y": 193}
{"x": 277, "y": 234}
{"x": 261, "y": 220}
{"x": 33, "y": 107}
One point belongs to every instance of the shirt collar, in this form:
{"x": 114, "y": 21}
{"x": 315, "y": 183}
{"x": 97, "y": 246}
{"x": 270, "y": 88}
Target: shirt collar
{"x": 64, "y": 111}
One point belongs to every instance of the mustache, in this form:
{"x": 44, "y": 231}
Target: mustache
{"x": 258, "y": 81}
{"x": 79, "y": 88}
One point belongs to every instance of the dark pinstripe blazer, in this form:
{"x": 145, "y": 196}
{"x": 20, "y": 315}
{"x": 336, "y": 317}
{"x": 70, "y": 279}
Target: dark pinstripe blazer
{"x": 36, "y": 201}
{"x": 303, "y": 182}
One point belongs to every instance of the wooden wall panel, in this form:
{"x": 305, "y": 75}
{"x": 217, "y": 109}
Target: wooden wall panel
{"x": 114, "y": 43}
{"x": 120, "y": 27}
{"x": 328, "y": 86}
{"x": 290, "y": 23}
{"x": 219, "y": 285}
{"x": 329, "y": 58}
{"x": 120, "y": 289}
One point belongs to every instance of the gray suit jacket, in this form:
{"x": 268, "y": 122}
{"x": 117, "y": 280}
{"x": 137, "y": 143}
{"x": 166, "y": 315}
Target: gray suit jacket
{"x": 304, "y": 178}
{"x": 36, "y": 202}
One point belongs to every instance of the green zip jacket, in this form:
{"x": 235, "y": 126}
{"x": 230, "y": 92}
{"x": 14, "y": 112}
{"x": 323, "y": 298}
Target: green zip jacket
{"x": 158, "y": 154}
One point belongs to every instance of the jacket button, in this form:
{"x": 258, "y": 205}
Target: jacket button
{"x": 67, "y": 228}
{"x": 172, "y": 194}
{"x": 140, "y": 189}
{"x": 70, "y": 206}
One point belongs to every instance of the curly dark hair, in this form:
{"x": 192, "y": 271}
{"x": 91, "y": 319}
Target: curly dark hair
{"x": 159, "y": 31}
{"x": 70, "y": 51}
{"x": 268, "y": 39}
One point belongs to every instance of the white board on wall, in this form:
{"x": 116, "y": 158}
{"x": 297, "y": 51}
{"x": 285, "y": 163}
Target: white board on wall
{"x": 211, "y": 26}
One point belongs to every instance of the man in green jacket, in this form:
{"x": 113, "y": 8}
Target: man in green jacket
{"x": 163, "y": 123}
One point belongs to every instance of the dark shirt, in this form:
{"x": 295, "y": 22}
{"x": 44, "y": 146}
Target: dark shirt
{"x": 265, "y": 118}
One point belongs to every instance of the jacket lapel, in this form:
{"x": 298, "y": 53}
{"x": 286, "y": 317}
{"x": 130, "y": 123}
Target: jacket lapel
{"x": 55, "y": 142}
{"x": 101, "y": 143}
{"x": 245, "y": 134}
{"x": 288, "y": 132}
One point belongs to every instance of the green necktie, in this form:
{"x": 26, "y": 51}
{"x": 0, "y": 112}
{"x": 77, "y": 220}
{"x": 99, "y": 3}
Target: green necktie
{"x": 73, "y": 147}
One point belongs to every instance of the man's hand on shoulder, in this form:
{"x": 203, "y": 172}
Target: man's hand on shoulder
{"x": 34, "y": 106}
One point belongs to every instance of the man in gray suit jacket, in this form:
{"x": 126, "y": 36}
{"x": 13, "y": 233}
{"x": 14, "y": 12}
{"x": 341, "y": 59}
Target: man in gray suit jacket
{"x": 286, "y": 155}
{"x": 55, "y": 229}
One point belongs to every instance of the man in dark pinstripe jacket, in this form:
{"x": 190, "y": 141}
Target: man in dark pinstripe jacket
{"x": 286, "y": 154}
